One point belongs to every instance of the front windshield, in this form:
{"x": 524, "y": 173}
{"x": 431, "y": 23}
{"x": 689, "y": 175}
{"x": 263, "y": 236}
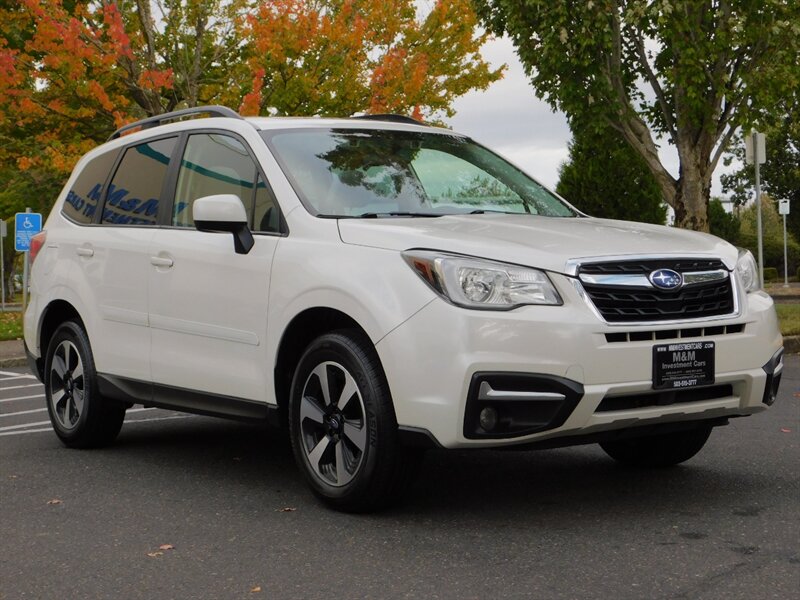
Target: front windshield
{"x": 372, "y": 173}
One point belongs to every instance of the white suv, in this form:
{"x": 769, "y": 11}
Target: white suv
{"x": 381, "y": 287}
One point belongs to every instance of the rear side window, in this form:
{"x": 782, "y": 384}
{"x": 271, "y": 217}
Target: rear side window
{"x": 134, "y": 193}
{"x": 213, "y": 164}
{"x": 84, "y": 195}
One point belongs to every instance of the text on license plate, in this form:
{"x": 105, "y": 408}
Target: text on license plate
{"x": 682, "y": 365}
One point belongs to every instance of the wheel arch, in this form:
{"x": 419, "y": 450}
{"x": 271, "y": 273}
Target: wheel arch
{"x": 57, "y": 312}
{"x": 299, "y": 333}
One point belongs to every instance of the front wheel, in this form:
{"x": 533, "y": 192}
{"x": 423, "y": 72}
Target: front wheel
{"x": 81, "y": 418}
{"x": 342, "y": 424}
{"x": 663, "y": 450}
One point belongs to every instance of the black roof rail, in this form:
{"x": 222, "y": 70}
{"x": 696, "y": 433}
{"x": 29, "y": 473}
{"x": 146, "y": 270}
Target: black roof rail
{"x": 155, "y": 121}
{"x": 392, "y": 118}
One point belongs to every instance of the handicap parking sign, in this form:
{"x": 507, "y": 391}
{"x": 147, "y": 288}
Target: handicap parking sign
{"x": 26, "y": 225}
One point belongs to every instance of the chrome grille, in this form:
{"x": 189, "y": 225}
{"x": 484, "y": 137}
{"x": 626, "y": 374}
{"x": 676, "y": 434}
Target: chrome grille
{"x": 622, "y": 293}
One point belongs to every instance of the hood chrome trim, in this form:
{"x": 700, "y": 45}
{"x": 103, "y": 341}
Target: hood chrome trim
{"x": 572, "y": 265}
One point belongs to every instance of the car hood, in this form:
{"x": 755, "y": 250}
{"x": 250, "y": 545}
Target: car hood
{"x": 542, "y": 242}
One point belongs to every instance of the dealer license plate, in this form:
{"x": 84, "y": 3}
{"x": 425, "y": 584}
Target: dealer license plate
{"x": 683, "y": 365}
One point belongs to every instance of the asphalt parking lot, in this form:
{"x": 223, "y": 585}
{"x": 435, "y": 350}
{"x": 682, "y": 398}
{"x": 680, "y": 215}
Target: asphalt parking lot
{"x": 192, "y": 507}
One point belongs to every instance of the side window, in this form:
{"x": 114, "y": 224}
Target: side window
{"x": 213, "y": 164}
{"x": 135, "y": 190}
{"x": 81, "y": 202}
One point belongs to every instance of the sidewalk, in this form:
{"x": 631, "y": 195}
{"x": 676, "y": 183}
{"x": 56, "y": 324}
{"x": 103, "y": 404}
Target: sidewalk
{"x": 12, "y": 354}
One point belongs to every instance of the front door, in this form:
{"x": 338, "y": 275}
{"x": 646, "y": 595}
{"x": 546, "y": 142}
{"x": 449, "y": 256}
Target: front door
{"x": 208, "y": 305}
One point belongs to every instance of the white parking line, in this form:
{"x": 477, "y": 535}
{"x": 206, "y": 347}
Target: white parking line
{"x": 21, "y": 426}
{"x": 17, "y": 387}
{"x": 22, "y": 398}
{"x": 25, "y": 431}
{"x": 23, "y": 412}
{"x": 13, "y": 375}
{"x": 126, "y": 422}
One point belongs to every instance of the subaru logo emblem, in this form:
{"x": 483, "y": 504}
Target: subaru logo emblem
{"x": 666, "y": 279}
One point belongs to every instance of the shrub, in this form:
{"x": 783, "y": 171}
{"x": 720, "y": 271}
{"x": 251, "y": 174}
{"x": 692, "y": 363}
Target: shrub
{"x": 773, "y": 251}
{"x": 770, "y": 274}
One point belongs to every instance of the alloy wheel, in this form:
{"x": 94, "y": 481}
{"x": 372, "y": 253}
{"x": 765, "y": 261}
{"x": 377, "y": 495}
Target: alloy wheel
{"x": 333, "y": 424}
{"x": 67, "y": 384}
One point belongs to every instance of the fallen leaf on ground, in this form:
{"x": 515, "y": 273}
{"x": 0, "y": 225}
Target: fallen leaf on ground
{"x": 166, "y": 547}
{"x": 286, "y": 509}
{"x": 55, "y": 501}
{"x": 255, "y": 589}
{"x": 786, "y": 430}
{"x": 155, "y": 554}
{"x": 13, "y": 476}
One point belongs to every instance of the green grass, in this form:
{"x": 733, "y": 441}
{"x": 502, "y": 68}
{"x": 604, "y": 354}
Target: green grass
{"x": 789, "y": 317}
{"x": 10, "y": 325}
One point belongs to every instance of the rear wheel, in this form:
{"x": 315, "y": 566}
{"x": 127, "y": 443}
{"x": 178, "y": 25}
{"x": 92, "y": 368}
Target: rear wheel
{"x": 342, "y": 424}
{"x": 81, "y": 418}
{"x": 658, "y": 450}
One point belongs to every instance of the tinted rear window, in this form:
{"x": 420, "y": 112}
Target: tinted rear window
{"x": 84, "y": 195}
{"x": 134, "y": 193}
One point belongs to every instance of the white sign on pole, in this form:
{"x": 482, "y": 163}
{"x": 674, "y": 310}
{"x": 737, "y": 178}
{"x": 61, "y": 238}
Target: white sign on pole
{"x": 783, "y": 207}
{"x": 759, "y": 152}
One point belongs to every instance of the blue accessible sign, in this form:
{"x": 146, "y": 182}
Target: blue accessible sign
{"x": 26, "y": 225}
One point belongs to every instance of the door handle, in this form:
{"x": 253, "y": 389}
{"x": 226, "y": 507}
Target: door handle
{"x": 161, "y": 261}
{"x": 84, "y": 251}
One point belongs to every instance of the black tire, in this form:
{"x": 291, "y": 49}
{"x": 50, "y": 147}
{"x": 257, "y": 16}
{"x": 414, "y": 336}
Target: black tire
{"x": 341, "y": 474}
{"x": 664, "y": 450}
{"x": 81, "y": 418}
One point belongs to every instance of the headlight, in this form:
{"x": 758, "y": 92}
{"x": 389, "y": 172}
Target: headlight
{"x": 476, "y": 283}
{"x": 747, "y": 269}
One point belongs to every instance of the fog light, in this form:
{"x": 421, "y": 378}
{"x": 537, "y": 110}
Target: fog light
{"x": 488, "y": 418}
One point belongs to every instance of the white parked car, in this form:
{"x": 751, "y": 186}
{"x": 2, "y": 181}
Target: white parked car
{"x": 381, "y": 287}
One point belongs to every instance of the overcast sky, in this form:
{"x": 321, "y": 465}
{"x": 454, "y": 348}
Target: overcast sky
{"x": 510, "y": 119}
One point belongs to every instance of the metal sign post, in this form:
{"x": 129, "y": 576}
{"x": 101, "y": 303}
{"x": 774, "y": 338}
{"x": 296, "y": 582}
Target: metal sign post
{"x": 26, "y": 225}
{"x": 756, "y": 154}
{"x": 783, "y": 209}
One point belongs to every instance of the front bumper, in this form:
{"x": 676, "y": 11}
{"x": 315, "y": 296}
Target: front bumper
{"x": 431, "y": 360}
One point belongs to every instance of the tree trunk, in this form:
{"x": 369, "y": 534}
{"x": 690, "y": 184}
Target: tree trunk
{"x": 692, "y": 194}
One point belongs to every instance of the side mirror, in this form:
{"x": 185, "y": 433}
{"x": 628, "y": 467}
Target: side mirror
{"x": 224, "y": 213}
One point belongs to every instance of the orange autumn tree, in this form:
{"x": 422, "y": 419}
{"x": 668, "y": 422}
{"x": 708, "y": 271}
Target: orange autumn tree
{"x": 71, "y": 71}
{"x": 338, "y": 57}
{"x": 59, "y": 92}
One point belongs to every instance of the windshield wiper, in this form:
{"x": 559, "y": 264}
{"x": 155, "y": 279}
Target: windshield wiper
{"x": 376, "y": 215}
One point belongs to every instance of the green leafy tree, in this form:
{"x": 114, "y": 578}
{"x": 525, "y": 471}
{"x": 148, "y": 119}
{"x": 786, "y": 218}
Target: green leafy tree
{"x": 688, "y": 72}
{"x": 780, "y": 174}
{"x": 606, "y": 178}
{"x": 722, "y": 223}
{"x": 772, "y": 227}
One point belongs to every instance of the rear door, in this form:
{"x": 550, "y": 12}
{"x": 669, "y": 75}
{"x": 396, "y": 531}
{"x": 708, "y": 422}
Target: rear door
{"x": 208, "y": 305}
{"x": 113, "y": 258}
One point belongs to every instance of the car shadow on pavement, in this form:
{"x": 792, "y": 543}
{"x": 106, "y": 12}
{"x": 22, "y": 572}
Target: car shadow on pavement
{"x": 552, "y": 487}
